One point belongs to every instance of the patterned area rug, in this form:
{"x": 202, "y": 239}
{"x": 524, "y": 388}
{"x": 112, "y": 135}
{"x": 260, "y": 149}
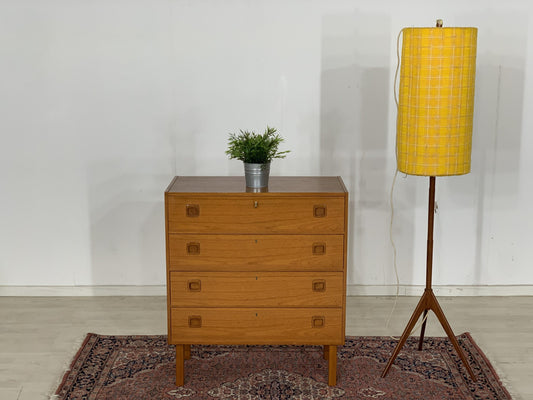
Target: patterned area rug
{"x": 142, "y": 368}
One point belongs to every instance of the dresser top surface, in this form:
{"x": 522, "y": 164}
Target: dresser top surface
{"x": 277, "y": 185}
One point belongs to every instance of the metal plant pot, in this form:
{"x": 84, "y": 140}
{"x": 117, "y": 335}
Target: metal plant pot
{"x": 256, "y": 175}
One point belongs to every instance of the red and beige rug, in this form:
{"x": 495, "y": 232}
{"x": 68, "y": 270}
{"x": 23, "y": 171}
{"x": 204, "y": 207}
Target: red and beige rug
{"x": 142, "y": 368}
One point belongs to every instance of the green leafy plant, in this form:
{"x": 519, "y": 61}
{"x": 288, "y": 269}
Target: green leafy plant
{"x": 255, "y": 148}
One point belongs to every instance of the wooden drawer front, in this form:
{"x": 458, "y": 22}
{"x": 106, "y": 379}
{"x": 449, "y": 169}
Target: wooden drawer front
{"x": 260, "y": 215}
{"x": 248, "y": 289}
{"x": 256, "y": 252}
{"x": 256, "y": 326}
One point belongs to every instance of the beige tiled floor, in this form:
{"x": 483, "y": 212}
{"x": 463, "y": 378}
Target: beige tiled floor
{"x": 39, "y": 336}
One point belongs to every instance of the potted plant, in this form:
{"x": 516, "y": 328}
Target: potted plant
{"x": 256, "y": 152}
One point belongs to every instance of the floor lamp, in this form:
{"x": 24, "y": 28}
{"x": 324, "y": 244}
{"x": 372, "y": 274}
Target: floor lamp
{"x": 434, "y": 132}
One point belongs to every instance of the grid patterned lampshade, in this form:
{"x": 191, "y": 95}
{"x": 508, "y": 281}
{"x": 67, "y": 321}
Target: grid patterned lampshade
{"x": 436, "y": 101}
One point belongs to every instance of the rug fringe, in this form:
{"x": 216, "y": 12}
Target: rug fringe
{"x": 67, "y": 365}
{"x": 503, "y": 377}
{"x": 501, "y": 374}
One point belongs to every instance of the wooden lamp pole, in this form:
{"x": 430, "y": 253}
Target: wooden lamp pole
{"x": 428, "y": 300}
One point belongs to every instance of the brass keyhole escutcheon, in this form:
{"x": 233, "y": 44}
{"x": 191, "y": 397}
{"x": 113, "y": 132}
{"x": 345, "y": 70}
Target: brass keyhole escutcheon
{"x": 256, "y": 204}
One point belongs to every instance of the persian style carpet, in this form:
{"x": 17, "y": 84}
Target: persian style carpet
{"x": 142, "y": 368}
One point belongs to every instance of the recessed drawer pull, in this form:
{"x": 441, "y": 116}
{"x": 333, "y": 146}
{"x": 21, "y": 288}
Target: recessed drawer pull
{"x": 318, "y": 321}
{"x": 195, "y": 321}
{"x": 192, "y": 210}
{"x": 194, "y": 285}
{"x": 193, "y": 248}
{"x": 319, "y": 249}
{"x": 319, "y": 211}
{"x": 319, "y": 285}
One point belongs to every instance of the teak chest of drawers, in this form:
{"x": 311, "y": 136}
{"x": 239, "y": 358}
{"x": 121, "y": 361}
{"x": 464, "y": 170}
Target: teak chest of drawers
{"x": 256, "y": 267}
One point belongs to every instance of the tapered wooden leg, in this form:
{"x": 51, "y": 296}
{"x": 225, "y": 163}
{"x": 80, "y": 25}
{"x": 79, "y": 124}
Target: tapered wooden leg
{"x": 179, "y": 364}
{"x": 435, "y": 306}
{"x": 326, "y": 350}
{"x": 187, "y": 351}
{"x": 332, "y": 365}
{"x": 407, "y": 331}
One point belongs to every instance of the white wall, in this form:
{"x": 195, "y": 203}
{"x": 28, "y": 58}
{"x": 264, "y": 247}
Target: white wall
{"x": 103, "y": 102}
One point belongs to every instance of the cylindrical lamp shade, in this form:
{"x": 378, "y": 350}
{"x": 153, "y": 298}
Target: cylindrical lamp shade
{"x": 436, "y": 101}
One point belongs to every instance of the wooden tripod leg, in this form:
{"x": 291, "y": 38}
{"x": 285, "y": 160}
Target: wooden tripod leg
{"x": 434, "y": 304}
{"x": 423, "y": 330}
{"x": 428, "y": 300}
{"x": 407, "y": 331}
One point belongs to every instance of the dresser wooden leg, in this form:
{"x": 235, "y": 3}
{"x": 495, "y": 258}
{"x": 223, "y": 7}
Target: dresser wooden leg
{"x": 179, "y": 364}
{"x": 187, "y": 351}
{"x": 332, "y": 365}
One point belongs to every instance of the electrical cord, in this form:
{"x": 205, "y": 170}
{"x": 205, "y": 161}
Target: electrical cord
{"x": 391, "y": 200}
{"x": 394, "y": 257}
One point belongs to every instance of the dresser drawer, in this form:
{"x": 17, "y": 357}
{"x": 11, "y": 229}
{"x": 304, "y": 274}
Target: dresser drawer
{"x": 255, "y": 252}
{"x": 256, "y": 326}
{"x": 260, "y": 215}
{"x": 263, "y": 289}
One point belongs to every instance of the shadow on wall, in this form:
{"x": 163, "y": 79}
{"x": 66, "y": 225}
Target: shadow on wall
{"x": 500, "y": 80}
{"x": 184, "y": 141}
{"x": 127, "y": 222}
{"x": 354, "y": 135}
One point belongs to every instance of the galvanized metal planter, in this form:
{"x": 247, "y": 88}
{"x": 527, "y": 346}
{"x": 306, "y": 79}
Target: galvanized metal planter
{"x": 256, "y": 175}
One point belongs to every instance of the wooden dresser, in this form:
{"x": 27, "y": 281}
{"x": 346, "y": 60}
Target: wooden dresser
{"x": 256, "y": 267}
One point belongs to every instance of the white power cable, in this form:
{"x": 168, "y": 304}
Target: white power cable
{"x": 391, "y": 237}
{"x": 391, "y": 199}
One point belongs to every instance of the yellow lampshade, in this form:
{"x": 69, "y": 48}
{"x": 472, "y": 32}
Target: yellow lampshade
{"x": 436, "y": 101}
